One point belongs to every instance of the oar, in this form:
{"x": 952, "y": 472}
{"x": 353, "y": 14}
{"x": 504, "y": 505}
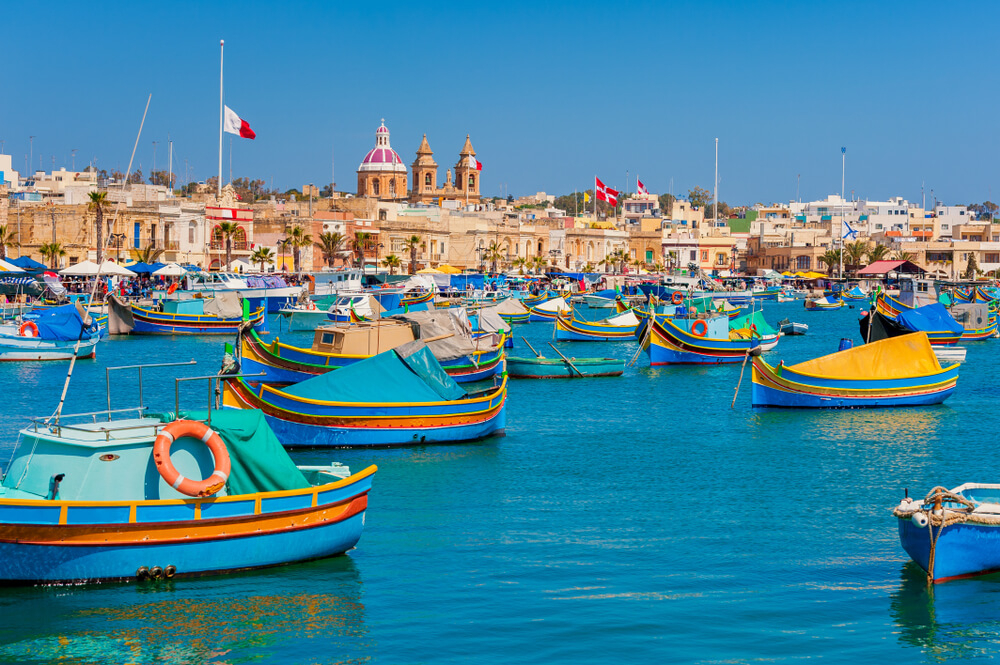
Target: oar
{"x": 537, "y": 354}
{"x": 568, "y": 361}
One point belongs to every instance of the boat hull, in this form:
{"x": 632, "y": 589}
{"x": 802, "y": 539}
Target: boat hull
{"x": 962, "y": 550}
{"x": 150, "y": 322}
{"x": 14, "y": 349}
{"x": 667, "y": 344}
{"x": 570, "y": 329}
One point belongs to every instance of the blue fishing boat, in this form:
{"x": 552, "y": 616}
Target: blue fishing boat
{"x": 221, "y": 315}
{"x": 548, "y": 310}
{"x": 823, "y": 304}
{"x": 399, "y": 397}
{"x": 55, "y": 333}
{"x": 952, "y": 534}
{"x": 897, "y": 371}
{"x": 619, "y": 327}
{"x": 855, "y": 294}
{"x": 113, "y": 496}
{"x": 698, "y": 341}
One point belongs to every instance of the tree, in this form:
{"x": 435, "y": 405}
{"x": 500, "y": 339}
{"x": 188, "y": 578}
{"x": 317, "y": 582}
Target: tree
{"x": 539, "y": 263}
{"x": 362, "y": 240}
{"x": 327, "y": 191}
{"x": 877, "y": 253}
{"x": 519, "y": 263}
{"x": 227, "y": 230}
{"x": 8, "y": 238}
{"x": 51, "y": 252}
{"x": 493, "y": 255}
{"x": 136, "y": 177}
{"x": 854, "y": 253}
{"x": 904, "y": 256}
{"x": 298, "y": 239}
{"x": 411, "y": 244}
{"x": 248, "y": 190}
{"x": 97, "y": 202}
{"x": 392, "y": 261}
{"x": 971, "y": 267}
{"x": 699, "y": 197}
{"x": 147, "y": 254}
{"x": 162, "y": 178}
{"x": 262, "y": 255}
{"x": 831, "y": 258}
{"x": 667, "y": 205}
{"x": 589, "y": 267}
{"x": 331, "y": 244}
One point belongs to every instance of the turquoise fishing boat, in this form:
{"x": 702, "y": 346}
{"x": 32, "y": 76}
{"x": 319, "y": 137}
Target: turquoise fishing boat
{"x": 112, "y": 495}
{"x": 952, "y": 534}
{"x": 896, "y": 371}
{"x": 695, "y": 341}
{"x": 398, "y": 397}
{"x": 557, "y": 368}
{"x": 822, "y": 304}
{"x": 619, "y": 327}
{"x": 855, "y": 294}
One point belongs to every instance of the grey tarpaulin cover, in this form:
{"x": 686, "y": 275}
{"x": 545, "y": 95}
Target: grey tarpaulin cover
{"x": 225, "y": 305}
{"x": 490, "y": 321}
{"x": 437, "y": 322}
{"x": 120, "y": 320}
{"x": 510, "y": 306}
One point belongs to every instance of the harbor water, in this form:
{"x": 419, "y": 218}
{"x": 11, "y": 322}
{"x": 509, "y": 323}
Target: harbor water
{"x": 631, "y": 519}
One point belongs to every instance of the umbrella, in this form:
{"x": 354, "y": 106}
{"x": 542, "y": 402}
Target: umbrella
{"x": 170, "y": 270}
{"x": 112, "y": 268}
{"x": 90, "y": 269}
{"x": 144, "y": 268}
{"x": 429, "y": 271}
{"x": 451, "y": 270}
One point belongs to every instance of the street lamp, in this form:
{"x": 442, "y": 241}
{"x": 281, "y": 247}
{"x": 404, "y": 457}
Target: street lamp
{"x": 119, "y": 240}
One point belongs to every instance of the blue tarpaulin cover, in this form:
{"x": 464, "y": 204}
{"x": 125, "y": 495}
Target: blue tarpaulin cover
{"x": 929, "y": 318}
{"x": 463, "y": 282}
{"x": 389, "y": 300}
{"x": 27, "y": 263}
{"x": 141, "y": 268}
{"x": 61, "y": 323}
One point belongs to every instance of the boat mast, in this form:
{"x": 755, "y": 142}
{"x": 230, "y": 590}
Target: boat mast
{"x": 843, "y": 169}
{"x": 222, "y": 44}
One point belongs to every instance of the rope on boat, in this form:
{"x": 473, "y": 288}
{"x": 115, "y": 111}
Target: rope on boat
{"x": 939, "y": 516}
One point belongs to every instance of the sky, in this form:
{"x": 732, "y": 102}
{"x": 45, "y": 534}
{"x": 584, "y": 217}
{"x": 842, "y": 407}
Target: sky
{"x": 552, "y": 94}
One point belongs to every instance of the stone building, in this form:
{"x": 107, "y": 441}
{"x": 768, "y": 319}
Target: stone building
{"x": 382, "y": 174}
{"x": 466, "y": 186}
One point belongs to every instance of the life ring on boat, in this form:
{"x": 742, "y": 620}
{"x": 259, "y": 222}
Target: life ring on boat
{"x": 677, "y": 298}
{"x": 196, "y": 430}
{"x": 171, "y": 288}
{"x": 28, "y": 329}
{"x": 311, "y": 306}
{"x": 695, "y": 328}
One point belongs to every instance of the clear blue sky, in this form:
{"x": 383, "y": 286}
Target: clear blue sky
{"x": 550, "y": 94}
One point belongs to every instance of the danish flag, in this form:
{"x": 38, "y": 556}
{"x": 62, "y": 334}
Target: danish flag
{"x": 641, "y": 189}
{"x": 605, "y": 193}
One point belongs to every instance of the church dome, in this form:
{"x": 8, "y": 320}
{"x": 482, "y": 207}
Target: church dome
{"x": 382, "y": 158}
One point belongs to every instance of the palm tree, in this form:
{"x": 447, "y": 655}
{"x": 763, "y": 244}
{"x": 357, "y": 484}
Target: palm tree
{"x": 262, "y": 255}
{"x": 8, "y": 238}
{"x": 298, "y": 238}
{"x": 831, "y": 258}
{"x": 539, "y": 264}
{"x": 854, "y": 253}
{"x": 493, "y": 255}
{"x": 147, "y": 254}
{"x": 97, "y": 202}
{"x": 392, "y": 261}
{"x": 283, "y": 247}
{"x": 361, "y": 242}
{"x": 621, "y": 258}
{"x": 877, "y": 253}
{"x": 53, "y": 251}
{"x": 519, "y": 263}
{"x": 227, "y": 230}
{"x": 904, "y": 256}
{"x": 331, "y": 244}
{"x": 411, "y": 244}
{"x": 657, "y": 267}
{"x": 637, "y": 264}
{"x": 588, "y": 267}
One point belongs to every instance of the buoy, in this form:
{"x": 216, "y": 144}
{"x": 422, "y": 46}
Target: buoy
{"x": 919, "y": 519}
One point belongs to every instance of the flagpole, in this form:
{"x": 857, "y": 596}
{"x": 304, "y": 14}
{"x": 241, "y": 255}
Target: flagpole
{"x": 843, "y": 170}
{"x": 595, "y": 198}
{"x": 222, "y": 43}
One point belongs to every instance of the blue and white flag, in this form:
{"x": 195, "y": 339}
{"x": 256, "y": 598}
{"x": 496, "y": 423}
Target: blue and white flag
{"x": 849, "y": 232}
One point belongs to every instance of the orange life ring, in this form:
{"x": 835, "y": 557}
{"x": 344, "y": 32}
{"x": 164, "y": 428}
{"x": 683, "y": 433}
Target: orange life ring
{"x": 171, "y": 288}
{"x": 196, "y": 430}
{"x": 677, "y": 298}
{"x": 28, "y": 329}
{"x": 704, "y": 328}
{"x": 312, "y": 305}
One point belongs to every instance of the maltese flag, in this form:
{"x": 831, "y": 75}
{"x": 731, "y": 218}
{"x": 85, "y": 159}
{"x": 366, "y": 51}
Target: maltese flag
{"x": 475, "y": 163}
{"x": 237, "y": 125}
{"x": 641, "y": 189}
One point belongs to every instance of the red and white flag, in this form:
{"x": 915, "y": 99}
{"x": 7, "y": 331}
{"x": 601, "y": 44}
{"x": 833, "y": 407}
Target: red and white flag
{"x": 475, "y": 163}
{"x": 605, "y": 193}
{"x": 236, "y": 125}
{"x": 641, "y": 188}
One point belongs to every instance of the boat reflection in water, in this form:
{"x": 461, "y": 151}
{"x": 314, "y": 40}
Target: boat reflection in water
{"x": 312, "y": 611}
{"x": 951, "y": 621}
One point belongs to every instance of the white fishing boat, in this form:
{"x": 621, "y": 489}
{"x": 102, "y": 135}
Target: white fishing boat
{"x": 51, "y": 334}
{"x": 949, "y": 355}
{"x": 787, "y": 327}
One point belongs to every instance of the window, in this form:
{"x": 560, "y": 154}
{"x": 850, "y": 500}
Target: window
{"x": 878, "y": 226}
{"x": 803, "y": 263}
{"x": 472, "y": 181}
{"x": 135, "y": 231}
{"x": 152, "y": 235}
{"x": 992, "y": 258}
{"x": 704, "y": 255}
{"x": 944, "y": 227}
{"x": 191, "y": 229}
{"x": 720, "y": 259}
{"x": 398, "y": 245}
{"x": 327, "y": 338}
{"x": 382, "y": 215}
{"x": 427, "y": 179}
{"x": 694, "y": 255}
{"x": 375, "y": 187}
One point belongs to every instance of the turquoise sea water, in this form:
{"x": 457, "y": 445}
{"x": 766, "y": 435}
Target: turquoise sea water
{"x": 632, "y": 519}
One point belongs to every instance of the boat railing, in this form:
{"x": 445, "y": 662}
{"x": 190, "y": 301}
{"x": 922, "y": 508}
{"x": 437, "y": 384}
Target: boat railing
{"x": 107, "y": 378}
{"x": 214, "y": 390}
{"x": 57, "y": 427}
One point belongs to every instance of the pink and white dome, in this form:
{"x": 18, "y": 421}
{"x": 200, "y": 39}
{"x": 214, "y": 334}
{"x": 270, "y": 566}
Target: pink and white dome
{"x": 382, "y": 157}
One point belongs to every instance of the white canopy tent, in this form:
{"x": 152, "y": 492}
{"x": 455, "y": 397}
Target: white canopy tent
{"x": 170, "y": 270}
{"x": 90, "y": 269}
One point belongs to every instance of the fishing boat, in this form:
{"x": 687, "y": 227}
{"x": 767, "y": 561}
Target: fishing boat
{"x": 548, "y": 310}
{"x": 531, "y": 301}
{"x": 339, "y": 346}
{"x": 976, "y": 319}
{"x": 898, "y": 371}
{"x": 618, "y": 327}
{"x": 952, "y": 534}
{"x": 600, "y": 300}
{"x": 56, "y": 333}
{"x": 113, "y": 496}
{"x": 825, "y": 303}
{"x": 856, "y": 294}
{"x": 268, "y": 291}
{"x": 512, "y": 311}
{"x": 787, "y": 327}
{"x": 307, "y": 313}
{"x": 221, "y": 315}
{"x": 557, "y": 368}
{"x": 398, "y": 397}
{"x": 696, "y": 341}
{"x": 875, "y": 326}
{"x": 755, "y": 325}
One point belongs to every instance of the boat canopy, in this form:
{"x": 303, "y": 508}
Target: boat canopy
{"x": 62, "y": 323}
{"x": 553, "y": 305}
{"x": 441, "y": 322}
{"x": 510, "y": 306}
{"x": 892, "y": 358}
{"x": 756, "y": 321}
{"x": 929, "y": 318}
{"x": 408, "y": 374}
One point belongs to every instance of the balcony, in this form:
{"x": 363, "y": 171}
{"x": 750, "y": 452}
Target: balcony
{"x": 237, "y": 246}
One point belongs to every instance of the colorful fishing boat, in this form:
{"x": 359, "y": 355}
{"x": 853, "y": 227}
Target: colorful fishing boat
{"x": 855, "y": 294}
{"x": 221, "y": 315}
{"x": 557, "y": 368}
{"x": 694, "y": 341}
{"x": 952, "y": 534}
{"x": 532, "y": 301}
{"x": 56, "y": 333}
{"x": 821, "y": 304}
{"x": 512, "y": 311}
{"x": 416, "y": 297}
{"x": 787, "y": 327}
{"x": 548, "y": 310}
{"x": 619, "y": 327}
{"x": 898, "y": 371}
{"x": 399, "y": 397}
{"x": 113, "y": 496}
